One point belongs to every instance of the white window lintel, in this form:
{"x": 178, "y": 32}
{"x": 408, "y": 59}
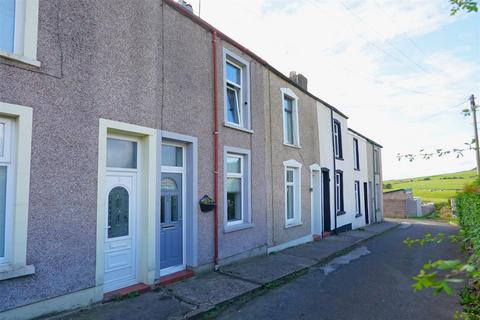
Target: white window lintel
{"x": 292, "y": 163}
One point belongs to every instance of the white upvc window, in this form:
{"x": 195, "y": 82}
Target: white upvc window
{"x": 293, "y": 207}
{"x": 237, "y": 90}
{"x": 356, "y": 155}
{"x": 7, "y": 162}
{"x": 237, "y": 188}
{"x": 358, "y": 210}
{"x": 15, "y": 153}
{"x": 290, "y": 117}
{"x": 18, "y": 30}
{"x": 339, "y": 203}
{"x": 337, "y": 139}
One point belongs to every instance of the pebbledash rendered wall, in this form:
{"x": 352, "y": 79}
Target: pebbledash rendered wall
{"x": 145, "y": 63}
{"x": 141, "y": 63}
{"x": 307, "y": 154}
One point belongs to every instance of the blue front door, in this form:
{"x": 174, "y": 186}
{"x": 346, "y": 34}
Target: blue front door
{"x": 171, "y": 221}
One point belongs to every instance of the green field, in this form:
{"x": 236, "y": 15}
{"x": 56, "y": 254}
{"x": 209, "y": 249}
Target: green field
{"x": 436, "y": 189}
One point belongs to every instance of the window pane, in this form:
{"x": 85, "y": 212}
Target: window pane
{"x": 3, "y": 203}
{"x": 121, "y": 153}
{"x": 118, "y": 212}
{"x": 162, "y": 209}
{"x": 234, "y": 199}
{"x": 234, "y": 165}
{"x": 7, "y": 24}
{"x": 289, "y": 202}
{"x": 174, "y": 214}
{"x": 2, "y": 137}
{"x": 233, "y": 73}
{"x": 232, "y": 106}
{"x": 288, "y": 104}
{"x": 172, "y": 156}
{"x": 289, "y": 175}
{"x": 169, "y": 185}
{"x": 288, "y": 127}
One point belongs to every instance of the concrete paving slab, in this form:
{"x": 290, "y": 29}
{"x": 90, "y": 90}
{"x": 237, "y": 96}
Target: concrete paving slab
{"x": 152, "y": 305}
{"x": 210, "y": 289}
{"x": 381, "y": 227}
{"x": 357, "y": 234}
{"x": 317, "y": 250}
{"x": 268, "y": 268}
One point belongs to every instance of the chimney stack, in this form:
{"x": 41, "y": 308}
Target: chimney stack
{"x": 299, "y": 79}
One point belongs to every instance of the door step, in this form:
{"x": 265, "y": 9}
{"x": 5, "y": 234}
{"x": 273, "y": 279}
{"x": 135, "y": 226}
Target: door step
{"x": 134, "y": 290}
{"x": 175, "y": 277}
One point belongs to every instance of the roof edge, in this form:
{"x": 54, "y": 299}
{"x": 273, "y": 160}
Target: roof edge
{"x": 247, "y": 51}
{"x": 364, "y": 137}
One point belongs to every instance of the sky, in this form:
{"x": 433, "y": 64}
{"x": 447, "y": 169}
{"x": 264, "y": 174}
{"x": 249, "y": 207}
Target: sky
{"x": 401, "y": 70}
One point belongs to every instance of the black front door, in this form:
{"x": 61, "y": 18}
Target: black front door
{"x": 326, "y": 200}
{"x": 365, "y": 197}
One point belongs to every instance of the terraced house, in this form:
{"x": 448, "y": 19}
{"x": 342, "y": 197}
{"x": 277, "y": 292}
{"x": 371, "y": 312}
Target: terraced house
{"x": 117, "y": 118}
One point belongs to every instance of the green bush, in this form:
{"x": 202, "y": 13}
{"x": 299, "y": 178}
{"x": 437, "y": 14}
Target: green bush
{"x": 468, "y": 209}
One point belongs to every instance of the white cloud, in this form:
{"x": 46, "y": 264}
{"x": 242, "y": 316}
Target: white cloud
{"x": 365, "y": 57}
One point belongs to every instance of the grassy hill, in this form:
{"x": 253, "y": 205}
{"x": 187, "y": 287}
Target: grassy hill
{"x": 436, "y": 189}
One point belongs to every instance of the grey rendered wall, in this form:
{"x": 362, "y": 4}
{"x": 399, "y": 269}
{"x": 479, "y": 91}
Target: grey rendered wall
{"x": 135, "y": 62}
{"x": 379, "y": 179}
{"x": 188, "y": 109}
{"x": 371, "y": 185}
{"x": 277, "y": 153}
{"x": 91, "y": 68}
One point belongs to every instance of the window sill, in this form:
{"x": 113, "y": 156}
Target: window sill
{"x": 358, "y": 215}
{"x": 293, "y": 224}
{"x": 356, "y": 169}
{"x": 341, "y": 159}
{"x": 292, "y": 145}
{"x": 9, "y": 272}
{"x": 233, "y": 126}
{"x": 237, "y": 227}
{"x": 19, "y": 58}
{"x": 339, "y": 213}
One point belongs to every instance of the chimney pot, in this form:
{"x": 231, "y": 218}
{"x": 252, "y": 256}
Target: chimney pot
{"x": 299, "y": 79}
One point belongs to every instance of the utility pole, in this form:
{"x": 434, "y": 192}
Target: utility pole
{"x": 474, "y": 112}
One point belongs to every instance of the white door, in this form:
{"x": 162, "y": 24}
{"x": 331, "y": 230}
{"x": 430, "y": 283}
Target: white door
{"x": 316, "y": 210}
{"x": 120, "y": 233}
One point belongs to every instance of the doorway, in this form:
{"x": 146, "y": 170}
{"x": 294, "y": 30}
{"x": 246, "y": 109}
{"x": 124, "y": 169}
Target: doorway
{"x": 120, "y": 242}
{"x": 172, "y": 209}
{"x": 366, "y": 202}
{"x": 326, "y": 199}
{"x": 315, "y": 202}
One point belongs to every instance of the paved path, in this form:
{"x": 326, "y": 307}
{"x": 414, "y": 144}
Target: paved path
{"x": 371, "y": 282}
{"x": 361, "y": 274}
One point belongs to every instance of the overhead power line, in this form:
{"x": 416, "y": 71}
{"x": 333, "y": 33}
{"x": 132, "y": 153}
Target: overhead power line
{"x": 354, "y": 14}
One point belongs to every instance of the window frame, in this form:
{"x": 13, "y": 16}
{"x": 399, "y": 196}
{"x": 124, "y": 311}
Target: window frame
{"x": 288, "y": 93}
{"x": 337, "y": 139}
{"x": 21, "y": 137}
{"x": 356, "y": 154}
{"x": 246, "y": 187}
{"x": 25, "y": 40}
{"x": 358, "y": 204}
{"x": 339, "y": 195}
{"x": 239, "y": 176}
{"x": 296, "y": 167}
{"x": 8, "y": 160}
{"x": 243, "y": 93}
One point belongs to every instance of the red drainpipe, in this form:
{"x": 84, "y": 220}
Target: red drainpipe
{"x": 215, "y": 147}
